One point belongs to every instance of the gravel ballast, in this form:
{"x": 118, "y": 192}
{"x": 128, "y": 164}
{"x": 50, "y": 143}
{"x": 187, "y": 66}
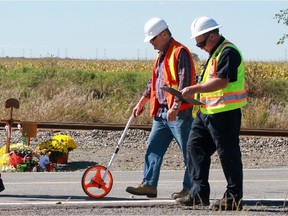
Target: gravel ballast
{"x": 97, "y": 146}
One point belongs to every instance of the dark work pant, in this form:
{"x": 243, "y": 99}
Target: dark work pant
{"x": 209, "y": 133}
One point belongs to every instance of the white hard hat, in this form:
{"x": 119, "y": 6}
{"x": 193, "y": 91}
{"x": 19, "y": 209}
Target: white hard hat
{"x": 153, "y": 27}
{"x": 202, "y": 25}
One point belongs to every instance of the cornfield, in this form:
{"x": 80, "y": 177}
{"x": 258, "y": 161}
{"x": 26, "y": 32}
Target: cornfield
{"x": 23, "y": 64}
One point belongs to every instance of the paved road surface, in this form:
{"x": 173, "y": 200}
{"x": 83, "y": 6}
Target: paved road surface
{"x": 265, "y": 187}
{"x": 29, "y": 187}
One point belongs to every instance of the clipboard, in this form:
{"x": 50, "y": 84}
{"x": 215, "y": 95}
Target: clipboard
{"x": 179, "y": 95}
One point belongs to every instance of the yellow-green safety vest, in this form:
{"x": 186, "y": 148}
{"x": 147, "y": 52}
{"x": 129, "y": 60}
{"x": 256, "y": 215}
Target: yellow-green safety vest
{"x": 233, "y": 96}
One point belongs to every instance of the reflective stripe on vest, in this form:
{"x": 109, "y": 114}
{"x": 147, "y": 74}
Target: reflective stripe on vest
{"x": 172, "y": 68}
{"x": 229, "y": 97}
{"x": 233, "y": 96}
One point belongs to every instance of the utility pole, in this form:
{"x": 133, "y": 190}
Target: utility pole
{"x": 138, "y": 52}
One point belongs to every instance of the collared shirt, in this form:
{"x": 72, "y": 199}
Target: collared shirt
{"x": 183, "y": 70}
{"x": 229, "y": 62}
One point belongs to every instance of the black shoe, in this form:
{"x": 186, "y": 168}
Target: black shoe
{"x": 227, "y": 205}
{"x": 192, "y": 200}
{"x": 1, "y": 185}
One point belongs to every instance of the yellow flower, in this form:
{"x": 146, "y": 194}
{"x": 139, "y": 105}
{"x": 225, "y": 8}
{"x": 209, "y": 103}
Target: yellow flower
{"x": 66, "y": 140}
{"x": 3, "y": 150}
{"x": 58, "y": 143}
{"x": 4, "y": 159}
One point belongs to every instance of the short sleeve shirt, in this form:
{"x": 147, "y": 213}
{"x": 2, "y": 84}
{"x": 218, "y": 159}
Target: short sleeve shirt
{"x": 228, "y": 63}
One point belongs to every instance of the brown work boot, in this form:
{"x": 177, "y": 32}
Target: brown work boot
{"x": 143, "y": 190}
{"x": 227, "y": 205}
{"x": 192, "y": 200}
{"x": 180, "y": 194}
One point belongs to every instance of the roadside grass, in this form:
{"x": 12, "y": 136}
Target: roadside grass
{"x": 67, "y": 90}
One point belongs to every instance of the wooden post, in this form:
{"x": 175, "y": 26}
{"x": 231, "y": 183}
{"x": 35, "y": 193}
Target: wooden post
{"x": 10, "y": 103}
{"x": 29, "y": 129}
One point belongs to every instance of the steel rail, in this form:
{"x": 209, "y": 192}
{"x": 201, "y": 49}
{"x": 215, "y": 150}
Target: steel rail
{"x": 146, "y": 127}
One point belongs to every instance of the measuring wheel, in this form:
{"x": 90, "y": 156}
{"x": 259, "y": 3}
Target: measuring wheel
{"x": 97, "y": 181}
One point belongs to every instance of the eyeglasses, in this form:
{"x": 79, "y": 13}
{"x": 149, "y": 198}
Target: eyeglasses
{"x": 202, "y": 44}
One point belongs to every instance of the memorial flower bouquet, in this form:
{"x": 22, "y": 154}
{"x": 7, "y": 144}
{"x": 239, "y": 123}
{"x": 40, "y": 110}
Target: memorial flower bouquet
{"x": 20, "y": 157}
{"x": 21, "y": 150}
{"x": 58, "y": 145}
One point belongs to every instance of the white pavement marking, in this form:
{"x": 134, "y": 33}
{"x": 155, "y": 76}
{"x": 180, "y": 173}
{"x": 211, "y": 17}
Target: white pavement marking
{"x": 143, "y": 202}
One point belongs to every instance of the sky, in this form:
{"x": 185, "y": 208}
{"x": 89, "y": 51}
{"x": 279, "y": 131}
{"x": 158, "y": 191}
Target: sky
{"x": 114, "y": 29}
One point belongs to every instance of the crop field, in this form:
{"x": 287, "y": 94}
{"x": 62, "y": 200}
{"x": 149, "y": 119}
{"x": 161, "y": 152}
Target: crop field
{"x": 73, "y": 90}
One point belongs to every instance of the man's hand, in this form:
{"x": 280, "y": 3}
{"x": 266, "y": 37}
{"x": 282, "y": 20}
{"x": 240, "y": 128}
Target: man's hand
{"x": 173, "y": 112}
{"x": 172, "y": 115}
{"x": 188, "y": 92}
{"x": 139, "y": 108}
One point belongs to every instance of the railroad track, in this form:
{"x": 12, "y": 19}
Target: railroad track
{"x": 146, "y": 127}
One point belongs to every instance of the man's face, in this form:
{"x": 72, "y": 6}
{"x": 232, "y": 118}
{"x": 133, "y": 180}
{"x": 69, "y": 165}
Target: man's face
{"x": 157, "y": 42}
{"x": 203, "y": 41}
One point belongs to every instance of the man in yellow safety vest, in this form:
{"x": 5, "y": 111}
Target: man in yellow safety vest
{"x": 216, "y": 126}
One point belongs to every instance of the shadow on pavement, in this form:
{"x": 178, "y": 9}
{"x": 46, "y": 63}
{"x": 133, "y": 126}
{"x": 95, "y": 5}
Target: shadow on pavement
{"x": 269, "y": 207}
{"x": 76, "y": 166}
{"x": 50, "y": 198}
{"x": 280, "y": 203}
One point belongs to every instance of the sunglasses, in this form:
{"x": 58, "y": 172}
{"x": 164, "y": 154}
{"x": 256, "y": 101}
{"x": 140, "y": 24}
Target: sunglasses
{"x": 202, "y": 44}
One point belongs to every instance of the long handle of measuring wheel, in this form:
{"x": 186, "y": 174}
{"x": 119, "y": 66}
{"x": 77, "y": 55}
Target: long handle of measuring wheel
{"x": 118, "y": 145}
{"x": 132, "y": 117}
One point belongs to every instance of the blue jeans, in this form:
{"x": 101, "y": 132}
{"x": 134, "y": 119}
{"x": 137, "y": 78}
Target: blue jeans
{"x": 162, "y": 133}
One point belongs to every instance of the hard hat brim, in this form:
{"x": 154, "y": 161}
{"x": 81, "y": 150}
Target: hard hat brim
{"x": 148, "y": 38}
{"x": 205, "y": 31}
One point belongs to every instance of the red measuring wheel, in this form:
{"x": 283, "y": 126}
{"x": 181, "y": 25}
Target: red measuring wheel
{"x": 97, "y": 181}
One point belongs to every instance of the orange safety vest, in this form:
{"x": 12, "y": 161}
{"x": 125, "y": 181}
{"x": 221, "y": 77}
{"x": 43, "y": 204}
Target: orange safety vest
{"x": 170, "y": 76}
